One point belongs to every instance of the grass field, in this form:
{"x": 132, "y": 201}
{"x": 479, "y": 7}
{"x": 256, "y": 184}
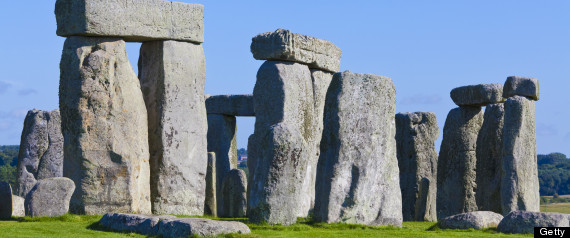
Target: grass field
{"x": 556, "y": 207}
{"x": 87, "y": 226}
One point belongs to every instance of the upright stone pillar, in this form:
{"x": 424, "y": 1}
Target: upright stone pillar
{"x": 358, "y": 176}
{"x": 5, "y": 200}
{"x": 104, "y": 125}
{"x": 210, "y": 205}
{"x": 234, "y": 189}
{"x": 417, "y": 159}
{"x": 172, "y": 76}
{"x": 41, "y": 149}
{"x": 279, "y": 149}
{"x": 457, "y": 162}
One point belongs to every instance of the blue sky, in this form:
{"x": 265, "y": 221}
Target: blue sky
{"x": 426, "y": 47}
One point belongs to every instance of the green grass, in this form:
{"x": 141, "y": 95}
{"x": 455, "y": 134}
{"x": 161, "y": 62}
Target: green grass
{"x": 556, "y": 207}
{"x": 86, "y": 226}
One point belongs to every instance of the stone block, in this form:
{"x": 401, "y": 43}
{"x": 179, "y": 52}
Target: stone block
{"x": 477, "y": 220}
{"x": 49, "y": 197}
{"x": 521, "y": 86}
{"x": 210, "y": 205}
{"x": 477, "y": 95}
{"x": 231, "y": 105}
{"x": 234, "y": 194}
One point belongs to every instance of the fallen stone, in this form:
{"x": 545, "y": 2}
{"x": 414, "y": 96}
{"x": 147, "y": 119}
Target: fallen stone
{"x": 142, "y": 224}
{"x": 456, "y": 178}
{"x": 104, "y": 124}
{"x": 231, "y": 105}
{"x": 132, "y": 20}
{"x": 172, "y": 76}
{"x": 489, "y": 154}
{"x": 525, "y": 222}
{"x": 18, "y": 209}
{"x": 279, "y": 149}
{"x": 5, "y": 200}
{"x": 210, "y": 205}
{"x": 234, "y": 194}
{"x": 358, "y": 176}
{"x": 287, "y": 46}
{"x": 49, "y": 197}
{"x": 185, "y": 227}
{"x": 521, "y": 86}
{"x": 477, "y": 95}
{"x": 41, "y": 149}
{"x": 477, "y": 220}
{"x": 222, "y": 141}
{"x": 519, "y": 178}
{"x": 416, "y": 133}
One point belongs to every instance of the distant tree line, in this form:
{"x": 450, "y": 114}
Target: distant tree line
{"x": 8, "y": 163}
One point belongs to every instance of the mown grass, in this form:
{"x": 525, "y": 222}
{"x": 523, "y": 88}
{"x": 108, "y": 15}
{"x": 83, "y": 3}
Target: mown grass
{"x": 556, "y": 207}
{"x": 87, "y": 226}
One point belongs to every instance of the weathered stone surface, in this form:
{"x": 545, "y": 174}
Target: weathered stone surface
{"x": 457, "y": 162}
{"x": 210, "y": 205}
{"x": 489, "y": 154}
{"x": 285, "y": 45}
{"x": 525, "y": 222}
{"x": 132, "y": 20}
{"x": 49, "y": 197}
{"x": 521, "y": 86}
{"x": 231, "y": 105}
{"x": 358, "y": 176}
{"x": 41, "y": 149}
{"x": 279, "y": 149}
{"x": 519, "y": 179}
{"x": 172, "y": 76}
{"x": 477, "y": 220}
{"x": 104, "y": 125}
{"x": 18, "y": 209}
{"x": 416, "y": 133}
{"x": 142, "y": 224}
{"x": 234, "y": 194}
{"x": 5, "y": 200}
{"x": 222, "y": 141}
{"x": 186, "y": 227}
{"x": 477, "y": 95}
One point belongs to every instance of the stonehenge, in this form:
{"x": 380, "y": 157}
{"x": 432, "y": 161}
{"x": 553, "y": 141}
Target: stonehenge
{"x": 49, "y": 197}
{"x": 5, "y": 200}
{"x": 41, "y": 149}
{"x": 210, "y": 203}
{"x": 234, "y": 194}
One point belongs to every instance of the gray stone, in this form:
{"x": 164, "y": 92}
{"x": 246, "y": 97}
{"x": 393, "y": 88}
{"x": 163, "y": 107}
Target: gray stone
{"x": 521, "y": 86}
{"x": 172, "y": 76}
{"x": 279, "y": 149}
{"x": 41, "y": 149}
{"x": 186, "y": 227}
{"x": 234, "y": 194}
{"x": 210, "y": 205}
{"x": 477, "y": 220}
{"x": 489, "y": 154}
{"x": 457, "y": 161}
{"x": 525, "y": 222}
{"x": 358, "y": 176}
{"x": 18, "y": 209}
{"x": 5, "y": 200}
{"x": 222, "y": 141}
{"x": 477, "y": 95}
{"x": 132, "y": 20}
{"x": 416, "y": 133}
{"x": 142, "y": 224}
{"x": 231, "y": 105}
{"x": 104, "y": 125}
{"x": 519, "y": 179}
{"x": 285, "y": 45}
{"x": 49, "y": 197}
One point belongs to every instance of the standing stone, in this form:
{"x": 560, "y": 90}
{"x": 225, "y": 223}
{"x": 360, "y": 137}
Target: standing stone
{"x": 5, "y": 200}
{"x": 172, "y": 76}
{"x": 231, "y": 105}
{"x": 132, "y": 20}
{"x": 222, "y": 141}
{"x": 417, "y": 159}
{"x": 525, "y": 221}
{"x": 457, "y": 162}
{"x": 521, "y": 86}
{"x": 210, "y": 205}
{"x": 41, "y": 149}
{"x": 489, "y": 153}
{"x": 18, "y": 209}
{"x": 519, "y": 181}
{"x": 104, "y": 126}
{"x": 358, "y": 176}
{"x": 49, "y": 197}
{"x": 234, "y": 194}
{"x": 279, "y": 149}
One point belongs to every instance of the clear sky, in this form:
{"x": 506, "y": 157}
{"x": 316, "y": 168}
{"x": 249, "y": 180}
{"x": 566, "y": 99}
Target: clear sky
{"x": 426, "y": 47}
